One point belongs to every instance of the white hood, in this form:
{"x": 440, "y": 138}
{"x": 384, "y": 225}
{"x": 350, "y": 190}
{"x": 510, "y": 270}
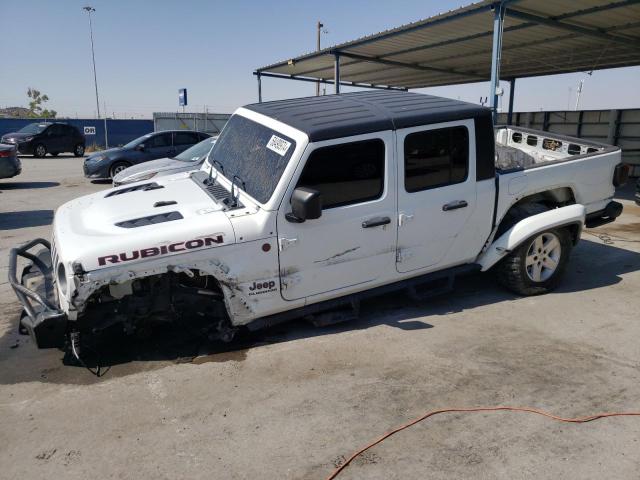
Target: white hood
{"x": 99, "y": 230}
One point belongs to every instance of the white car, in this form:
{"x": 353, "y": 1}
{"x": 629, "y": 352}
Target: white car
{"x": 190, "y": 159}
{"x": 314, "y": 204}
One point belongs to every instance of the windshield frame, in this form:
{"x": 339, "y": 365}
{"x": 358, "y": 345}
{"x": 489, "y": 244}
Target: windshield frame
{"x": 301, "y": 142}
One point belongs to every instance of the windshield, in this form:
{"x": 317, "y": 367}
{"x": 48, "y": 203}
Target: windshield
{"x": 135, "y": 142}
{"x": 257, "y": 154}
{"x": 197, "y": 152}
{"x": 34, "y": 128}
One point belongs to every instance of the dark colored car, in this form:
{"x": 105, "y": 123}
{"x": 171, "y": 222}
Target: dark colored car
{"x": 638, "y": 191}
{"x": 151, "y": 146}
{"x": 10, "y": 165}
{"x": 46, "y": 137}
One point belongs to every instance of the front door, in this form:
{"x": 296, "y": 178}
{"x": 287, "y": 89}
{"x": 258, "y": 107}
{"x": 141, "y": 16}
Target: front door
{"x": 353, "y": 242}
{"x": 436, "y": 195}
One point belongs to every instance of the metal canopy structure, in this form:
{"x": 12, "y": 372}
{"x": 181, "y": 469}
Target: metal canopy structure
{"x": 483, "y": 41}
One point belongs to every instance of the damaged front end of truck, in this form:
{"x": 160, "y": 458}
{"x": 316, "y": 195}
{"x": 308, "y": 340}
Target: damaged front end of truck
{"x": 135, "y": 298}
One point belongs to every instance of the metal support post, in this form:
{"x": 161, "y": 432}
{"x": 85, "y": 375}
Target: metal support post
{"x": 259, "y": 87}
{"x": 512, "y": 88}
{"x": 496, "y": 51}
{"x": 336, "y": 72}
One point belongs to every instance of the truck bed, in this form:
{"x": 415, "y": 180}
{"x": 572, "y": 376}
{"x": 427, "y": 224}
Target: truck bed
{"x": 531, "y": 161}
{"x": 522, "y": 148}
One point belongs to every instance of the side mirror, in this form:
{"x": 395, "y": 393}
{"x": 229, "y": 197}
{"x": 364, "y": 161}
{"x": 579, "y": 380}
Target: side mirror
{"x": 140, "y": 147}
{"x": 306, "y": 204}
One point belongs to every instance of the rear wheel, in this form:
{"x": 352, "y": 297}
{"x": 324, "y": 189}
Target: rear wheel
{"x": 40, "y": 151}
{"x": 536, "y": 266}
{"x": 78, "y": 150}
{"x": 118, "y": 167}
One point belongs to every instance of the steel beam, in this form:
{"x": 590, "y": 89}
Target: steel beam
{"x": 496, "y": 51}
{"x": 330, "y": 82}
{"x": 412, "y": 66}
{"x": 590, "y": 32}
{"x": 512, "y": 88}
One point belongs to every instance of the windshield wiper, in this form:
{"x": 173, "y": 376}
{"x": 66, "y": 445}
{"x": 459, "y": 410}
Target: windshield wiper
{"x": 233, "y": 195}
{"x": 214, "y": 161}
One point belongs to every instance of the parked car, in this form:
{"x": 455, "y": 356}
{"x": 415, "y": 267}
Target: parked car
{"x": 169, "y": 143}
{"x": 10, "y": 165}
{"x": 404, "y": 198}
{"x": 46, "y": 137}
{"x": 191, "y": 159}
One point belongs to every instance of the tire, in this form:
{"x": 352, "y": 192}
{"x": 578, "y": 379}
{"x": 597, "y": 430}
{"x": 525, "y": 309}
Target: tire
{"x": 117, "y": 167}
{"x": 538, "y": 264}
{"x": 39, "y": 150}
{"x": 78, "y": 150}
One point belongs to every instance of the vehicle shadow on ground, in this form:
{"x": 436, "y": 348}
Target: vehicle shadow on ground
{"x": 593, "y": 266}
{"x": 25, "y": 185}
{"x": 101, "y": 181}
{"x": 49, "y": 157}
{"x": 27, "y": 218}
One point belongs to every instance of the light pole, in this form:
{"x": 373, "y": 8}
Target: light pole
{"x": 320, "y": 26}
{"x": 90, "y": 10}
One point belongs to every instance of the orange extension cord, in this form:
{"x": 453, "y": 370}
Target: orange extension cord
{"x": 590, "y": 418}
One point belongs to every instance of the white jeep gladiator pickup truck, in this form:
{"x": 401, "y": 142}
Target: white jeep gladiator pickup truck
{"x": 306, "y": 206}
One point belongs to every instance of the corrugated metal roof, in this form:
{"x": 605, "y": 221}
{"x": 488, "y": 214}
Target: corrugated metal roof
{"x": 540, "y": 38}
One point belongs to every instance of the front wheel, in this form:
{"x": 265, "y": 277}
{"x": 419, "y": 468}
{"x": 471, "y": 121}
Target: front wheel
{"x": 536, "y": 266}
{"x": 117, "y": 167}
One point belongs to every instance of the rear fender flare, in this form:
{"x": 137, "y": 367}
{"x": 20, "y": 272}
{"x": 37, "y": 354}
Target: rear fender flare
{"x": 526, "y": 228}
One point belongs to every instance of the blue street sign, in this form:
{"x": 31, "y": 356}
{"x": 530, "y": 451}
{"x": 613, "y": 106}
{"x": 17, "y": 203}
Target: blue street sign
{"x": 182, "y": 97}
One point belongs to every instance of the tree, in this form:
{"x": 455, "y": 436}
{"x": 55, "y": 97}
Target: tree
{"x": 35, "y": 104}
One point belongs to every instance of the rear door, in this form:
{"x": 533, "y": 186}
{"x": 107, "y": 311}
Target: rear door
{"x": 436, "y": 195}
{"x": 55, "y": 138}
{"x": 159, "y": 146}
{"x": 353, "y": 242}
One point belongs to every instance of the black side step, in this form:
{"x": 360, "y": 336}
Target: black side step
{"x": 331, "y": 317}
{"x": 433, "y": 288}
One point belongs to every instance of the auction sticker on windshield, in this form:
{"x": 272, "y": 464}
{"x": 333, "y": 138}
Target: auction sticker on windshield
{"x": 278, "y": 145}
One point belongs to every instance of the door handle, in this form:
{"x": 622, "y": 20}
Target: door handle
{"x": 376, "y": 222}
{"x": 454, "y": 205}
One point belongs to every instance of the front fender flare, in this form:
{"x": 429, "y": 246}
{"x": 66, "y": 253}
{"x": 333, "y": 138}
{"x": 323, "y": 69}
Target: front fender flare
{"x": 527, "y": 227}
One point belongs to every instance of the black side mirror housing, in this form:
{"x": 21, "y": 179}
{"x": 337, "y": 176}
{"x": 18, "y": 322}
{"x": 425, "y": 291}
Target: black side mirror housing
{"x": 306, "y": 204}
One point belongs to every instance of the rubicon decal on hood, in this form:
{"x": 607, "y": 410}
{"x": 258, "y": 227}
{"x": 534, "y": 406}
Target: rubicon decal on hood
{"x": 162, "y": 250}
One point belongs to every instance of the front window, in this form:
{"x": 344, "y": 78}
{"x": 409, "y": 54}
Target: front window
{"x": 255, "y": 153}
{"x": 197, "y": 152}
{"x": 34, "y": 128}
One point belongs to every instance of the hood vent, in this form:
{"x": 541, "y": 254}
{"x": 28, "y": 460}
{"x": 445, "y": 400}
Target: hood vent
{"x": 150, "y": 220}
{"x": 135, "y": 188}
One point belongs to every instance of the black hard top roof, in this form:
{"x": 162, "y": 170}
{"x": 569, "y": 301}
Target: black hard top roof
{"x": 336, "y": 116}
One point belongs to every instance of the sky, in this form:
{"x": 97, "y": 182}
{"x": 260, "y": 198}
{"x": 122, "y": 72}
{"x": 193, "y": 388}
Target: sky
{"x": 146, "y": 50}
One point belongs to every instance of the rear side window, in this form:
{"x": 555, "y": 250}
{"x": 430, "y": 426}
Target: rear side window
{"x": 435, "y": 158}
{"x": 346, "y": 174}
{"x": 185, "y": 138}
